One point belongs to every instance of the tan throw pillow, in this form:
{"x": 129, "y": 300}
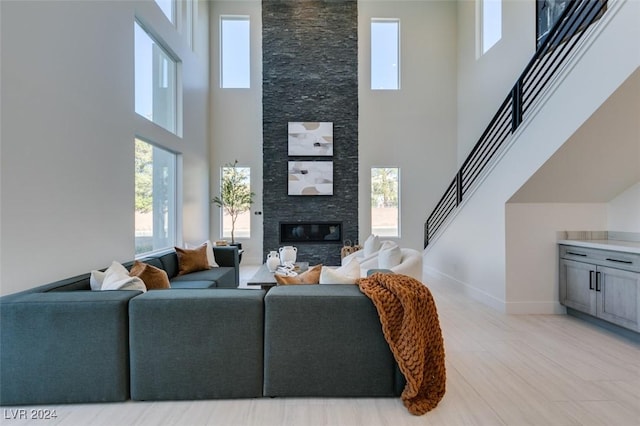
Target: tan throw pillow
{"x": 310, "y": 276}
{"x": 153, "y": 278}
{"x": 192, "y": 260}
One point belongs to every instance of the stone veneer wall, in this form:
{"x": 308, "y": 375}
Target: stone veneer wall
{"x": 310, "y": 73}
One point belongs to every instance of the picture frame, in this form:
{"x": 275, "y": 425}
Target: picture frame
{"x": 310, "y": 138}
{"x": 310, "y": 178}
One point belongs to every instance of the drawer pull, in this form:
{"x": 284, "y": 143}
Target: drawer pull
{"x": 628, "y": 262}
{"x": 577, "y": 254}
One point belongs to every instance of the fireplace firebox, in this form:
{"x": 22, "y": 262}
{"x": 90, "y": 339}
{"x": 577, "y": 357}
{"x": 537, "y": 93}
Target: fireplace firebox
{"x": 311, "y": 232}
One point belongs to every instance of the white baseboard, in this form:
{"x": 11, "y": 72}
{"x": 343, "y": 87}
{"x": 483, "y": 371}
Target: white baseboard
{"x": 535, "y": 308}
{"x": 514, "y": 308}
{"x": 473, "y": 292}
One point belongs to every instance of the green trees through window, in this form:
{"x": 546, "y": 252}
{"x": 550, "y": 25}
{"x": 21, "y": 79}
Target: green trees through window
{"x": 385, "y": 212}
{"x": 155, "y": 198}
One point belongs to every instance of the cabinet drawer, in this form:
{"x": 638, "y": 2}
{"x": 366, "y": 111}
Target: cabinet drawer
{"x": 612, "y": 259}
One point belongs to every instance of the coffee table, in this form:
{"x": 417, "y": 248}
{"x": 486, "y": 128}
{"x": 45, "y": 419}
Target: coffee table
{"x": 265, "y": 279}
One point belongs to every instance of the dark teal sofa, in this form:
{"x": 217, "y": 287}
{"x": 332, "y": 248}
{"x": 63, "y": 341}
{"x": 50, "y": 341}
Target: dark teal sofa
{"x": 62, "y": 342}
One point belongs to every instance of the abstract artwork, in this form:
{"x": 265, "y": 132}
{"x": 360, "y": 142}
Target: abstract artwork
{"x": 310, "y": 138}
{"x": 310, "y": 178}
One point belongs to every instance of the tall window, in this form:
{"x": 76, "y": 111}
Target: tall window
{"x": 155, "y": 198}
{"x": 155, "y": 81}
{"x": 385, "y": 212}
{"x": 385, "y": 54}
{"x": 236, "y": 190}
{"x": 490, "y": 18}
{"x": 168, "y": 8}
{"x": 235, "y": 52}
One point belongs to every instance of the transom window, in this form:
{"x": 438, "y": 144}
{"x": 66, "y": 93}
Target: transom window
{"x": 235, "y": 52}
{"x": 490, "y": 23}
{"x": 385, "y": 54}
{"x": 155, "y": 81}
{"x": 168, "y": 7}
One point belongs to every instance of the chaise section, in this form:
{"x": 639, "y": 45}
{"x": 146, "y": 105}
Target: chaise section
{"x": 64, "y": 346}
{"x": 196, "y": 344}
{"x": 326, "y": 341}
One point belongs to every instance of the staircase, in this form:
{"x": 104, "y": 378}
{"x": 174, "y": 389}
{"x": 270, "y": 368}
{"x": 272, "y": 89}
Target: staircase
{"x": 590, "y": 53}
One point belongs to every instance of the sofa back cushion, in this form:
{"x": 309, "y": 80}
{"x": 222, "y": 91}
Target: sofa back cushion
{"x": 169, "y": 263}
{"x": 80, "y": 282}
{"x": 153, "y": 261}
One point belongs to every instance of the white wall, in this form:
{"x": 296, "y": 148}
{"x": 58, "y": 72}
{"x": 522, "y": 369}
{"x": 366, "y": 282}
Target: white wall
{"x": 532, "y": 251}
{"x": 67, "y": 131}
{"x": 623, "y": 212}
{"x": 471, "y": 251}
{"x": 236, "y": 122}
{"x": 484, "y": 81}
{"x": 413, "y": 128}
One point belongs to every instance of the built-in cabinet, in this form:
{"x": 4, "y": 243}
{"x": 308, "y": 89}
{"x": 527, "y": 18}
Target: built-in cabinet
{"x": 601, "y": 283}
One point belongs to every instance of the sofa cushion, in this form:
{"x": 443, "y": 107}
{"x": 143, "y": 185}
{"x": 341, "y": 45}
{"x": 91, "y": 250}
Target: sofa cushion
{"x": 310, "y": 276}
{"x": 153, "y": 261}
{"x": 193, "y": 284}
{"x": 192, "y": 260}
{"x": 170, "y": 263}
{"x": 64, "y": 347}
{"x": 197, "y": 344}
{"x": 153, "y": 278}
{"x": 325, "y": 341}
{"x": 213, "y": 274}
{"x": 79, "y": 282}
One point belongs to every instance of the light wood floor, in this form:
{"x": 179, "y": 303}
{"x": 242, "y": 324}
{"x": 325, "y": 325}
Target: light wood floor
{"x": 501, "y": 370}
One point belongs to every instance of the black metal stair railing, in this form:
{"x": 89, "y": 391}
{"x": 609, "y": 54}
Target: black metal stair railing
{"x": 535, "y": 78}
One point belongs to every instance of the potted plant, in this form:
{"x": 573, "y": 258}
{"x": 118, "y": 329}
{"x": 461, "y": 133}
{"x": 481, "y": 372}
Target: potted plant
{"x": 235, "y": 195}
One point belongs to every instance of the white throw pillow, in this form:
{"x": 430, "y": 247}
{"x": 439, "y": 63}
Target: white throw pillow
{"x": 346, "y": 274}
{"x": 210, "y": 256}
{"x": 389, "y": 257}
{"x": 97, "y": 277}
{"x": 116, "y": 277}
{"x": 371, "y": 245}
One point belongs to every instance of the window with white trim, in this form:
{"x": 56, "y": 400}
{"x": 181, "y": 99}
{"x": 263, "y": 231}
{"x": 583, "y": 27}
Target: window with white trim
{"x": 385, "y": 206}
{"x": 235, "y": 52}
{"x": 156, "y": 82}
{"x": 489, "y": 23}
{"x": 385, "y": 54}
{"x": 168, "y": 7}
{"x": 235, "y": 188}
{"x": 155, "y": 198}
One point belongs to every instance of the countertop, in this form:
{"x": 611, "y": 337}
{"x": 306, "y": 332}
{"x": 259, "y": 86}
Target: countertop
{"x": 615, "y": 245}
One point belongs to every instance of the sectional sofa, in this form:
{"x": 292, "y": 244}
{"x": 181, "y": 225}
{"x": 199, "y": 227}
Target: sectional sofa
{"x": 62, "y": 343}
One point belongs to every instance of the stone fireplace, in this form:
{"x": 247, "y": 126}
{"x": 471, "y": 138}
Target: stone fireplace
{"x": 310, "y": 73}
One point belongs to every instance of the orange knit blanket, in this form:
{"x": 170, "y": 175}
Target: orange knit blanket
{"x": 411, "y": 327}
